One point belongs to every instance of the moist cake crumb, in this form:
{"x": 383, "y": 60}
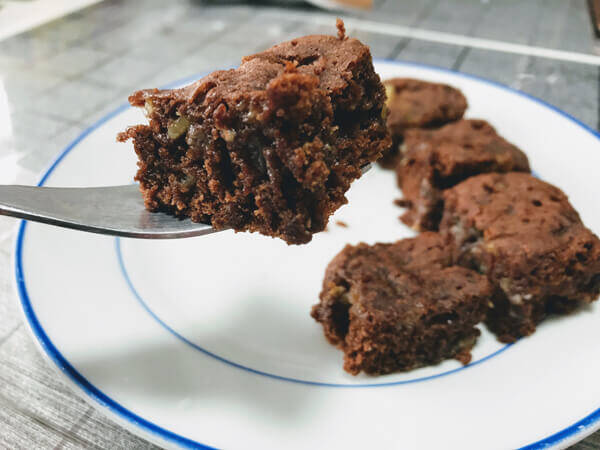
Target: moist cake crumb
{"x": 395, "y": 307}
{"x": 341, "y": 29}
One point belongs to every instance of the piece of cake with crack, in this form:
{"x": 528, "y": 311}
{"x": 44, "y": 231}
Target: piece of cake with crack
{"x": 395, "y": 307}
{"x": 530, "y": 242}
{"x": 439, "y": 159}
{"x": 416, "y": 104}
{"x": 271, "y": 146}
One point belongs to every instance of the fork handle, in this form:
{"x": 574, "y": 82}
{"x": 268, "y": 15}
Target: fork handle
{"x": 79, "y": 208}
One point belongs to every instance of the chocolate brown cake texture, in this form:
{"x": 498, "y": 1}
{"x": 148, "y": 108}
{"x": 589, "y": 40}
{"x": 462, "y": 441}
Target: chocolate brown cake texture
{"x": 436, "y": 160}
{"x": 395, "y": 307}
{"x": 271, "y": 146}
{"x": 525, "y": 236}
{"x": 418, "y": 104}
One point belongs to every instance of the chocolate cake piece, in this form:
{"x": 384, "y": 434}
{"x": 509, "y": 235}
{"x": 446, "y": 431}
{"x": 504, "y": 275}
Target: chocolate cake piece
{"x": 395, "y": 307}
{"x": 439, "y": 159}
{"x": 271, "y": 146}
{"x": 526, "y": 237}
{"x": 418, "y": 104}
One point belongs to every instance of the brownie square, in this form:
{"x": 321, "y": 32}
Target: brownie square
{"x": 418, "y": 104}
{"x": 395, "y": 307}
{"x": 439, "y": 159}
{"x": 526, "y": 237}
{"x": 271, "y": 146}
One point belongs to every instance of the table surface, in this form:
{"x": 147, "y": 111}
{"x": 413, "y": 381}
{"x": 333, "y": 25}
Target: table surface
{"x": 59, "y": 78}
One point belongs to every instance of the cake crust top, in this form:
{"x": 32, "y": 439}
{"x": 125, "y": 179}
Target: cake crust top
{"x": 421, "y": 104}
{"x": 455, "y": 147}
{"x": 327, "y": 60}
{"x": 517, "y": 215}
{"x": 410, "y": 278}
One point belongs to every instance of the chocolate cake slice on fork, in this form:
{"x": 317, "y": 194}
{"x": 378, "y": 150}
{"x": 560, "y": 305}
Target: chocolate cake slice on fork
{"x": 271, "y": 146}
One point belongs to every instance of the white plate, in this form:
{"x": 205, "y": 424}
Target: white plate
{"x": 208, "y": 341}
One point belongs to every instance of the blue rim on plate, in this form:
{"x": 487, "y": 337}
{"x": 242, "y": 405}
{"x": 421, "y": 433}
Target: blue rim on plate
{"x": 581, "y": 427}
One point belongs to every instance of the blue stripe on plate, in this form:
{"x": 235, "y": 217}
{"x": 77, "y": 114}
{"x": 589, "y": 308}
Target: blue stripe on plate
{"x": 144, "y": 305}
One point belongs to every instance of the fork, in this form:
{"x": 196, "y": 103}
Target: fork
{"x": 112, "y": 210}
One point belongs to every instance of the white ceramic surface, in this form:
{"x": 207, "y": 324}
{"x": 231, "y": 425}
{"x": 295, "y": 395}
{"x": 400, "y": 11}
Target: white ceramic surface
{"x": 208, "y": 341}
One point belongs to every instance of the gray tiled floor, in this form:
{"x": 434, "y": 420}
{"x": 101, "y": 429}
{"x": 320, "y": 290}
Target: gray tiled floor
{"x": 73, "y": 62}
{"x": 65, "y": 75}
